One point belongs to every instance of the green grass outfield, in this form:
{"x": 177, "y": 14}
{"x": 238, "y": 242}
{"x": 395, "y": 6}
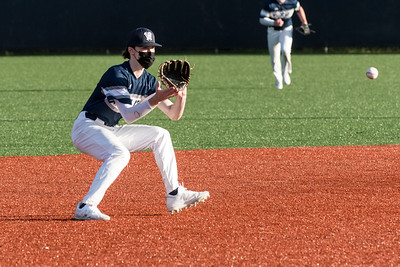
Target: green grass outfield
{"x": 232, "y": 102}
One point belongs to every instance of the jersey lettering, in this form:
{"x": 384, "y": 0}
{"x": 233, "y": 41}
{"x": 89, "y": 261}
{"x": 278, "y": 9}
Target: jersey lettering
{"x": 281, "y": 14}
{"x": 273, "y": 10}
{"x": 119, "y": 83}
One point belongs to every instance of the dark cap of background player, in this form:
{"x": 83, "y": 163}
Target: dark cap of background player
{"x": 142, "y": 37}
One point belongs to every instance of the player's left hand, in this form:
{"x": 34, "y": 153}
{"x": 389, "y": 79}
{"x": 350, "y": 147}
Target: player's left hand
{"x": 304, "y": 29}
{"x": 183, "y": 92}
{"x": 175, "y": 73}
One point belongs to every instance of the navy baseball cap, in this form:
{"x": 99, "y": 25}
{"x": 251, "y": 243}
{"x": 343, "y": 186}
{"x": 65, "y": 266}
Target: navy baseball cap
{"x": 142, "y": 37}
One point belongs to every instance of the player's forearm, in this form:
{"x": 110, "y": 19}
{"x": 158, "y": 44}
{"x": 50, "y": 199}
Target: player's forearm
{"x": 174, "y": 110}
{"x": 265, "y": 20}
{"x": 302, "y": 16}
{"x": 133, "y": 113}
{"x": 177, "y": 109}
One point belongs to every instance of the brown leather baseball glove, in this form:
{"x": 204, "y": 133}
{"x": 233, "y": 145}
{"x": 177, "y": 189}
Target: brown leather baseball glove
{"x": 175, "y": 73}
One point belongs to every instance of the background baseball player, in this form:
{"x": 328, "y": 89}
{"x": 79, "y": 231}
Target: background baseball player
{"x": 128, "y": 91}
{"x": 277, "y": 16}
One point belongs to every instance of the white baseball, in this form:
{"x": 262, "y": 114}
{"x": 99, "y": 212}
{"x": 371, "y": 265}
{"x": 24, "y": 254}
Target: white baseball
{"x": 372, "y": 73}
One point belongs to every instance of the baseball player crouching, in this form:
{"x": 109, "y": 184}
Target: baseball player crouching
{"x": 277, "y": 16}
{"x": 128, "y": 91}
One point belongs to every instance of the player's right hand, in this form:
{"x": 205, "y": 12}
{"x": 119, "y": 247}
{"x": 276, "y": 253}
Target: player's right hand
{"x": 163, "y": 94}
{"x": 278, "y": 23}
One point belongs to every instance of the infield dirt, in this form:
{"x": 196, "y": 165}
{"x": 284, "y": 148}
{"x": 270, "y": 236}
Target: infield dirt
{"x": 270, "y": 206}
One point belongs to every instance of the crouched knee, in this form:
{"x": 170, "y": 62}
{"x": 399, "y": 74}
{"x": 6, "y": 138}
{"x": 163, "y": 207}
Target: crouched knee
{"x": 162, "y": 134}
{"x": 122, "y": 155}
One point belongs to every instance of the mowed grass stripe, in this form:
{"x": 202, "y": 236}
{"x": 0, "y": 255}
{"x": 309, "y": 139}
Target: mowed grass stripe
{"x": 232, "y": 102}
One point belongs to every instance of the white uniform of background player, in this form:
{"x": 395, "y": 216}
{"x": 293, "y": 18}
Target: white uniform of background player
{"x": 276, "y": 15}
{"x": 128, "y": 91}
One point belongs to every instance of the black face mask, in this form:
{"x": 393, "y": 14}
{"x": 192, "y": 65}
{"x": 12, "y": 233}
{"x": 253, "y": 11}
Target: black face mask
{"x": 146, "y": 59}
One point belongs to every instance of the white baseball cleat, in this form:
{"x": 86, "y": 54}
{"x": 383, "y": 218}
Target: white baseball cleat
{"x": 278, "y": 85}
{"x": 184, "y": 199}
{"x": 88, "y": 212}
{"x": 286, "y": 79}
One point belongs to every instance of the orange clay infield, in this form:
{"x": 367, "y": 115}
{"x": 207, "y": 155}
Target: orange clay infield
{"x": 309, "y": 206}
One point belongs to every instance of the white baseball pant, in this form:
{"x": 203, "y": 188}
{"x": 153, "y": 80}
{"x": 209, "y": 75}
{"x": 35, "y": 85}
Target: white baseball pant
{"x": 113, "y": 145}
{"x": 280, "y": 45}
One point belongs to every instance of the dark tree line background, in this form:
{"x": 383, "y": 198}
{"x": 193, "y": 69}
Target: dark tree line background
{"x": 102, "y": 25}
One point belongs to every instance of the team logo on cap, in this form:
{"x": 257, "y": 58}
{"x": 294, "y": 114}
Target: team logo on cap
{"x": 148, "y": 36}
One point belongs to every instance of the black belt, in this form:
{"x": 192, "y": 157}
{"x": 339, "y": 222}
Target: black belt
{"x": 276, "y": 28}
{"x": 94, "y": 117}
